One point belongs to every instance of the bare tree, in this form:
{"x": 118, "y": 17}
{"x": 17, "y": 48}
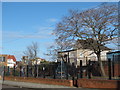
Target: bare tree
{"x": 115, "y": 43}
{"x": 32, "y": 51}
{"x": 96, "y": 26}
{"x": 58, "y": 46}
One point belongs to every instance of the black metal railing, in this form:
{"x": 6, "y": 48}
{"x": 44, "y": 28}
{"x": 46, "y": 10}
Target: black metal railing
{"x": 65, "y": 71}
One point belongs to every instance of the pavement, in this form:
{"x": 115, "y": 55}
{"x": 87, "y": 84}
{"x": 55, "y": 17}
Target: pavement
{"x": 32, "y": 85}
{"x": 7, "y": 85}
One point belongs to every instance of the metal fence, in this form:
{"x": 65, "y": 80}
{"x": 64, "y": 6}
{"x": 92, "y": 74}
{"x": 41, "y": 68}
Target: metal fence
{"x": 56, "y": 71}
{"x": 62, "y": 70}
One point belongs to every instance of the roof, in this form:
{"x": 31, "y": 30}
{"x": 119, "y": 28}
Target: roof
{"x": 113, "y": 52}
{"x": 67, "y": 51}
{"x": 85, "y": 44}
{"x": 9, "y": 57}
{"x": 5, "y": 55}
{"x": 40, "y": 59}
{"x": 12, "y": 57}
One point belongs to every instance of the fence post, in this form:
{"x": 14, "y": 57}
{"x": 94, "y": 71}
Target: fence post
{"x": 31, "y": 71}
{"x": 3, "y": 73}
{"x": 66, "y": 71}
{"x": 89, "y": 69}
{"x": 14, "y": 71}
{"x": 109, "y": 68}
{"x": 113, "y": 71}
{"x": 35, "y": 71}
{"x": 44, "y": 71}
{"x": 68, "y": 58}
{"x": 81, "y": 72}
{"x": 27, "y": 71}
{"x": 20, "y": 71}
{"x": 73, "y": 68}
{"x": 54, "y": 76}
{"x": 8, "y": 71}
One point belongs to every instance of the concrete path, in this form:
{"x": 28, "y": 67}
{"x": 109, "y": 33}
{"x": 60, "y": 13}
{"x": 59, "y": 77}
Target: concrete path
{"x": 32, "y": 85}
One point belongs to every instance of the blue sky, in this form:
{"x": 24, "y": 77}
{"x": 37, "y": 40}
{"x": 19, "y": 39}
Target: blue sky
{"x": 25, "y": 22}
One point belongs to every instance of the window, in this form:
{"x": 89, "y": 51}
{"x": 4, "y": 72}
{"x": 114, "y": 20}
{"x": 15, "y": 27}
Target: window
{"x": 81, "y": 55}
{"x": 2, "y": 59}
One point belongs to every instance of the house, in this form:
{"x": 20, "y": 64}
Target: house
{"x": 38, "y": 60}
{"x": 8, "y": 60}
{"x": 25, "y": 59}
{"x": 82, "y": 52}
{"x": 19, "y": 63}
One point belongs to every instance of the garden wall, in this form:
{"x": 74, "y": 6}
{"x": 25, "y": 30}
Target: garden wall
{"x": 97, "y": 83}
{"x": 41, "y": 80}
{"x": 116, "y": 70}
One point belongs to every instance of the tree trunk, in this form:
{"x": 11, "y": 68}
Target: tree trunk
{"x": 101, "y": 65}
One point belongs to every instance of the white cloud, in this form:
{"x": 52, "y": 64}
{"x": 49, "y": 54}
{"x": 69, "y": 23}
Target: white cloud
{"x": 30, "y": 36}
{"x": 23, "y": 35}
{"x": 41, "y": 33}
{"x": 45, "y": 30}
{"x": 52, "y": 20}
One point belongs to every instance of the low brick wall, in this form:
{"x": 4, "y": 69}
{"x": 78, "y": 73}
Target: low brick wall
{"x": 41, "y": 80}
{"x": 96, "y": 83}
{"x": 116, "y": 70}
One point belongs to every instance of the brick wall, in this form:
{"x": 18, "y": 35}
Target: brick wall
{"x": 85, "y": 83}
{"x": 97, "y": 83}
{"x": 116, "y": 70}
{"x": 41, "y": 80}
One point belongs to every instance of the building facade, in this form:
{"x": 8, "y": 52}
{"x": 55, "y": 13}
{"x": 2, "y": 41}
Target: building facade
{"x": 75, "y": 55}
{"x": 27, "y": 61}
{"x": 8, "y": 60}
{"x": 83, "y": 51}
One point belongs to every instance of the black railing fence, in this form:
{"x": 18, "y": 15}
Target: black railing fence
{"x": 62, "y": 70}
